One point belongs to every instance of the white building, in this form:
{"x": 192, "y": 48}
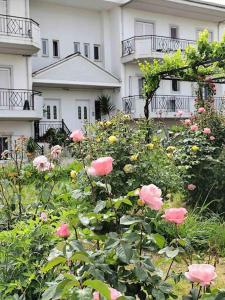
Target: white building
{"x": 58, "y": 56}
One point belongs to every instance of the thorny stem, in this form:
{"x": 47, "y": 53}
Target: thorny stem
{"x": 199, "y": 293}
{"x": 170, "y": 266}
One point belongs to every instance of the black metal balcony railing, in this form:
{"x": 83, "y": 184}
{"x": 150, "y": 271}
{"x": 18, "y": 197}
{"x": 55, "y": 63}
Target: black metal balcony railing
{"x": 11, "y": 99}
{"x": 42, "y": 128}
{"x": 159, "y": 103}
{"x": 154, "y": 43}
{"x": 16, "y": 26}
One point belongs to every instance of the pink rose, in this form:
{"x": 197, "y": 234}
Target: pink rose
{"x": 114, "y": 294}
{"x": 151, "y": 195}
{"x": 63, "y": 231}
{"x": 201, "y": 110}
{"x": 77, "y": 136}
{"x": 206, "y": 130}
{"x": 191, "y": 187}
{"x": 203, "y": 274}
{"x": 212, "y": 138}
{"x": 194, "y": 127}
{"x": 56, "y": 151}
{"x": 44, "y": 217}
{"x": 101, "y": 167}
{"x": 187, "y": 122}
{"x": 41, "y": 163}
{"x": 180, "y": 113}
{"x": 175, "y": 215}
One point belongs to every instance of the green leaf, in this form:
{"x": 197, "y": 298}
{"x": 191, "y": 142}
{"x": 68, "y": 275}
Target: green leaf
{"x": 53, "y": 263}
{"x": 100, "y": 206}
{"x": 124, "y": 252}
{"x": 99, "y": 286}
{"x": 80, "y": 256}
{"x": 159, "y": 240}
{"x": 129, "y": 220}
{"x": 49, "y": 293}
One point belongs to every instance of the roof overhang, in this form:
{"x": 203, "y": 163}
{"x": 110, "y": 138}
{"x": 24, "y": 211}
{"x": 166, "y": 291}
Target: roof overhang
{"x": 194, "y": 9}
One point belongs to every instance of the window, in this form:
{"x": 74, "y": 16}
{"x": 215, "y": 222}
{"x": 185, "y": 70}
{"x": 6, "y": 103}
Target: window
{"x": 79, "y": 112}
{"x": 173, "y": 32}
{"x": 171, "y": 105}
{"x": 45, "y": 51}
{"x": 4, "y": 144}
{"x": 85, "y": 113}
{"x": 175, "y": 85}
{"x": 144, "y": 28}
{"x": 97, "y": 52}
{"x": 55, "y": 45}
{"x": 76, "y": 47}
{"x": 210, "y": 34}
{"x": 97, "y": 110}
{"x": 140, "y": 86}
{"x": 87, "y": 50}
{"x": 55, "y": 113}
{"x": 48, "y": 112}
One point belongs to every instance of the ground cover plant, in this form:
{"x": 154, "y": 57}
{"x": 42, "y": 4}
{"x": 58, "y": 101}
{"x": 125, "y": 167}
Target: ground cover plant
{"x": 113, "y": 224}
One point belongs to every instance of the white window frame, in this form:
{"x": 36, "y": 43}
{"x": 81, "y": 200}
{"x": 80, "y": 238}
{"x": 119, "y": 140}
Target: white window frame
{"x": 47, "y": 47}
{"x": 88, "y": 45}
{"x": 57, "y": 41}
{"x": 78, "y": 46}
{"x": 99, "y": 52}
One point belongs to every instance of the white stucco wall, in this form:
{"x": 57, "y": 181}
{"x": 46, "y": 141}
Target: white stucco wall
{"x": 16, "y": 128}
{"x": 68, "y": 25}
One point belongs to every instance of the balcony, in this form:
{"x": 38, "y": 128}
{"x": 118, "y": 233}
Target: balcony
{"x": 162, "y": 106}
{"x": 19, "y": 35}
{"x": 153, "y": 46}
{"x": 20, "y": 104}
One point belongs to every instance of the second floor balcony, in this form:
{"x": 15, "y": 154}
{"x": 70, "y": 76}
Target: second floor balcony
{"x": 147, "y": 46}
{"x": 19, "y": 35}
{"x": 20, "y": 104}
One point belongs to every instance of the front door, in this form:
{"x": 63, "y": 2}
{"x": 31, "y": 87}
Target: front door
{"x": 82, "y": 113}
{"x": 51, "y": 110}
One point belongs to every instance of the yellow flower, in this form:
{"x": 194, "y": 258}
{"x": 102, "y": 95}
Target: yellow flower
{"x": 140, "y": 202}
{"x": 150, "y": 146}
{"x": 108, "y": 123}
{"x": 128, "y": 168}
{"x": 101, "y": 123}
{"x": 126, "y": 117}
{"x": 195, "y": 148}
{"x": 73, "y": 174}
{"x": 170, "y": 155}
{"x": 155, "y": 139}
{"x": 134, "y": 157}
{"x": 98, "y": 140}
{"x": 112, "y": 139}
{"x": 171, "y": 149}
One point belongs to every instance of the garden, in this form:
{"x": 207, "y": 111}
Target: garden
{"x": 138, "y": 213}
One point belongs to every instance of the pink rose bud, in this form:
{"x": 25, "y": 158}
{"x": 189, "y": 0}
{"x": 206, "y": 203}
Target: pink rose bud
{"x": 151, "y": 195}
{"x": 191, "y": 187}
{"x": 212, "y": 138}
{"x": 77, "y": 136}
{"x": 101, "y": 167}
{"x": 63, "y": 231}
{"x": 44, "y": 217}
{"x": 194, "y": 127}
{"x": 201, "y": 110}
{"x": 175, "y": 215}
{"x": 180, "y": 113}
{"x": 114, "y": 294}
{"x": 203, "y": 274}
{"x": 187, "y": 122}
{"x": 206, "y": 130}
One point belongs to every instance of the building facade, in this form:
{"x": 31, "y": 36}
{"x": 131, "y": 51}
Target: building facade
{"x": 58, "y": 56}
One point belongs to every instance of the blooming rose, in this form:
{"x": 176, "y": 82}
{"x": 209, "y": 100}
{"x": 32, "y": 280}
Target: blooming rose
{"x": 195, "y": 148}
{"x": 63, "y": 231}
{"x": 203, "y": 274}
{"x": 151, "y": 195}
{"x": 206, "y": 130}
{"x": 201, "y": 110}
{"x": 212, "y": 138}
{"x": 77, "y": 136}
{"x": 194, "y": 127}
{"x": 175, "y": 215}
{"x": 41, "y": 163}
{"x": 128, "y": 168}
{"x": 187, "y": 122}
{"x": 114, "y": 294}
{"x": 191, "y": 187}
{"x": 56, "y": 151}
{"x": 134, "y": 157}
{"x": 101, "y": 167}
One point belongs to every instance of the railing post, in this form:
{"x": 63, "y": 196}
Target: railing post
{"x": 63, "y": 124}
{"x": 36, "y": 130}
